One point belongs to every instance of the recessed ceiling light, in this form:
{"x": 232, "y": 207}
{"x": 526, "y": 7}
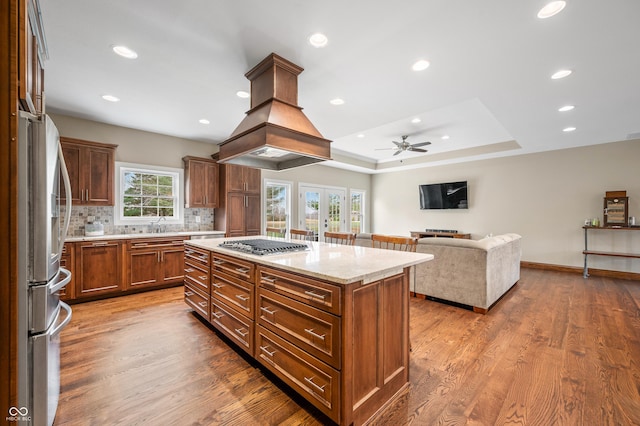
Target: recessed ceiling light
{"x": 361, "y": 135}
{"x": 416, "y": 120}
{"x": 125, "y": 52}
{"x": 445, "y": 137}
{"x": 204, "y": 121}
{"x": 561, "y": 74}
{"x": 551, "y": 9}
{"x": 336, "y": 101}
{"x": 242, "y": 94}
{"x": 566, "y": 108}
{"x": 420, "y": 65}
{"x": 110, "y": 98}
{"x": 568, "y": 129}
{"x": 318, "y": 40}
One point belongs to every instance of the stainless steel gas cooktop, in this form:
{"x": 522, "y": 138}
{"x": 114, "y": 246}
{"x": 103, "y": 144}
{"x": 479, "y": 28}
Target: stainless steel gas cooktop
{"x": 262, "y": 247}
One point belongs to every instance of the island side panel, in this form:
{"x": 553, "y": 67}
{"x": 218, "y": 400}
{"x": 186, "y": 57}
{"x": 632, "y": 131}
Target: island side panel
{"x": 376, "y": 346}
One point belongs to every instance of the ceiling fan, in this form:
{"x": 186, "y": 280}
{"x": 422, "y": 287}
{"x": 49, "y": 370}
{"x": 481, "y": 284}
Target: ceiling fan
{"x": 406, "y": 146}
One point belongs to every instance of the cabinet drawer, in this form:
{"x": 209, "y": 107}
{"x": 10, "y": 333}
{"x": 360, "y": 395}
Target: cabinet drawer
{"x": 236, "y": 327}
{"x": 197, "y": 255}
{"x": 145, "y": 243}
{"x": 197, "y": 300}
{"x": 315, "y": 381}
{"x": 196, "y": 275}
{"x": 234, "y": 267}
{"x": 313, "y": 292}
{"x": 313, "y": 330}
{"x": 235, "y": 292}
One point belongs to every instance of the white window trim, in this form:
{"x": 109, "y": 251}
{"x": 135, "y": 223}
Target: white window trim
{"x": 289, "y": 207}
{"x": 121, "y": 167}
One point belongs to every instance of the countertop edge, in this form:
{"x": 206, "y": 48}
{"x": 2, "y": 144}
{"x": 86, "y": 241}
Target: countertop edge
{"x": 82, "y": 238}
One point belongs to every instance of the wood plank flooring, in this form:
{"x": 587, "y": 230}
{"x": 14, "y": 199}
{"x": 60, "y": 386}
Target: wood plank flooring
{"x": 558, "y": 349}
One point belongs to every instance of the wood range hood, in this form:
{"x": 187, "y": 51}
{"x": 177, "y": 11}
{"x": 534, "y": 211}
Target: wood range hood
{"x": 275, "y": 134}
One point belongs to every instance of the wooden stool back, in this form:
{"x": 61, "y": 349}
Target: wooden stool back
{"x": 345, "y": 238}
{"x": 391, "y": 242}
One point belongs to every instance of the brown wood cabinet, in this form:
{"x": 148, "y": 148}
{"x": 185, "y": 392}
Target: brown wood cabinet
{"x": 343, "y": 347}
{"x": 31, "y": 53}
{"x": 197, "y": 270}
{"x": 91, "y": 171}
{"x": 99, "y": 268}
{"x": 67, "y": 261}
{"x": 155, "y": 261}
{"x": 201, "y": 182}
{"x": 238, "y": 212}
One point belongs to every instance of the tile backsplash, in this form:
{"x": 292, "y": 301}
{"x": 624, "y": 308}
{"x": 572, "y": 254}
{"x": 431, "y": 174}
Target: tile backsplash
{"x": 105, "y": 215}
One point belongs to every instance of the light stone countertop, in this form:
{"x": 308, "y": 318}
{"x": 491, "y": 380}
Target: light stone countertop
{"x": 331, "y": 262}
{"x": 208, "y": 234}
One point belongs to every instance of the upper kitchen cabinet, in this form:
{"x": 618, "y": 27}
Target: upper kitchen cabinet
{"x": 32, "y": 51}
{"x": 91, "y": 171}
{"x": 238, "y": 211}
{"x": 242, "y": 179}
{"x": 201, "y": 184}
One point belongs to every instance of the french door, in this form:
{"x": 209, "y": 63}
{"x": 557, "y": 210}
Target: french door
{"x": 322, "y": 209}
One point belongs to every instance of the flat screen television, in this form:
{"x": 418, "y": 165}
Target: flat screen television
{"x": 450, "y": 195}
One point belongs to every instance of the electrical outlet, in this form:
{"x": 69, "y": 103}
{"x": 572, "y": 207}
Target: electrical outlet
{"x": 197, "y": 219}
{"x": 91, "y": 218}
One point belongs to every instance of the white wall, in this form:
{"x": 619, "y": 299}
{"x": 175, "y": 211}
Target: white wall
{"x": 134, "y": 146}
{"x": 544, "y": 197}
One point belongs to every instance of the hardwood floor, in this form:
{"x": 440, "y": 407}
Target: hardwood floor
{"x": 556, "y": 350}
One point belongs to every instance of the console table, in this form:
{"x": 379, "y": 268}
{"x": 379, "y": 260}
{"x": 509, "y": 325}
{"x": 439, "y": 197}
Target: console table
{"x": 588, "y": 252}
{"x": 442, "y": 234}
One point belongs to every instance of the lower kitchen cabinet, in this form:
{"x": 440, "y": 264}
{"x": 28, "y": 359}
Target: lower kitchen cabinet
{"x": 155, "y": 261}
{"x": 67, "y": 261}
{"x": 99, "y": 268}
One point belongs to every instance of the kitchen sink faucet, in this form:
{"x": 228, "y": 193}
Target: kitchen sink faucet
{"x": 156, "y": 227}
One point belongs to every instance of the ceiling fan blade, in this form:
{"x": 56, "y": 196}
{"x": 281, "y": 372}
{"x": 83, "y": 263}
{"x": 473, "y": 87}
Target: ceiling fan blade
{"x": 421, "y": 144}
{"x": 384, "y": 149}
{"x": 417, "y": 149}
{"x": 397, "y": 152}
{"x": 398, "y": 144}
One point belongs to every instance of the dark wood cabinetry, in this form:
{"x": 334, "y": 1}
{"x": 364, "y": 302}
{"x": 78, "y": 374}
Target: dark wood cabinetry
{"x": 99, "y": 268}
{"x": 91, "y": 171}
{"x": 155, "y": 261}
{"x": 238, "y": 212}
{"x": 197, "y": 270}
{"x": 67, "y": 261}
{"x": 201, "y": 182}
{"x": 31, "y": 47}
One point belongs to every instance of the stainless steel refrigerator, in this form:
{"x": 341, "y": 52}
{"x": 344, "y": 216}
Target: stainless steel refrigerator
{"x": 41, "y": 315}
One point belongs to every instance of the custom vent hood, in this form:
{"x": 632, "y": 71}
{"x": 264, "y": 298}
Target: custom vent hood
{"x": 275, "y": 134}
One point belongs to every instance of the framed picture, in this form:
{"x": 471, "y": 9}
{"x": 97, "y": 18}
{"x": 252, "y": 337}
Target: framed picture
{"x": 616, "y": 211}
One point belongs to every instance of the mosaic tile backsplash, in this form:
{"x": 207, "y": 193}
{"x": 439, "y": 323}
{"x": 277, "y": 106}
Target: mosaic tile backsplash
{"x": 104, "y": 215}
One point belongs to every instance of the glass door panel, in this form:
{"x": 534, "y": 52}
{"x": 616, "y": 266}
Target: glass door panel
{"x": 322, "y": 210}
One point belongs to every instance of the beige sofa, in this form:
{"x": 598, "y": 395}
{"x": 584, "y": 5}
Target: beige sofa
{"x": 474, "y": 273}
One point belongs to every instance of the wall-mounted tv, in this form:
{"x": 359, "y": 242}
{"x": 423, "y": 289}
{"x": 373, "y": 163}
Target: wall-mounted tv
{"x": 450, "y": 195}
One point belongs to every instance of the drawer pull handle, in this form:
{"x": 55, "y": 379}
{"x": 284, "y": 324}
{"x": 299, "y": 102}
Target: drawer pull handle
{"x": 188, "y": 293}
{"x": 315, "y": 295}
{"x": 311, "y": 332}
{"x": 265, "y": 350}
{"x": 262, "y": 308}
{"x": 203, "y": 277}
{"x": 218, "y": 262}
{"x": 241, "y": 297}
{"x": 270, "y": 280}
{"x": 203, "y": 304}
{"x": 315, "y": 385}
{"x": 218, "y": 286}
{"x": 240, "y": 332}
{"x": 189, "y": 270}
{"x": 217, "y": 315}
{"x": 204, "y": 258}
{"x": 242, "y": 270}
{"x": 100, "y": 244}
{"x": 140, "y": 244}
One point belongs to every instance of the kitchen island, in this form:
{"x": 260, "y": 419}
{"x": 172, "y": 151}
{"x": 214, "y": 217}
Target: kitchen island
{"x": 332, "y": 321}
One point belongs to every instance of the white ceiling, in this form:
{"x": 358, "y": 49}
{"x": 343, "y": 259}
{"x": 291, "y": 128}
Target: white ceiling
{"x": 488, "y": 86}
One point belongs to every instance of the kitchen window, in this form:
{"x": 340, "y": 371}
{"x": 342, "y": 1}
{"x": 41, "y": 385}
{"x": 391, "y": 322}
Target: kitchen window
{"x": 148, "y": 194}
{"x": 357, "y": 211}
{"x": 277, "y": 205}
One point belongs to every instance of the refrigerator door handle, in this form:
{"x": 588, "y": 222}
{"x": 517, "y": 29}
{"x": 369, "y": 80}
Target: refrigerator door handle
{"x": 63, "y": 282}
{"x": 64, "y": 323}
{"x": 67, "y": 191}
